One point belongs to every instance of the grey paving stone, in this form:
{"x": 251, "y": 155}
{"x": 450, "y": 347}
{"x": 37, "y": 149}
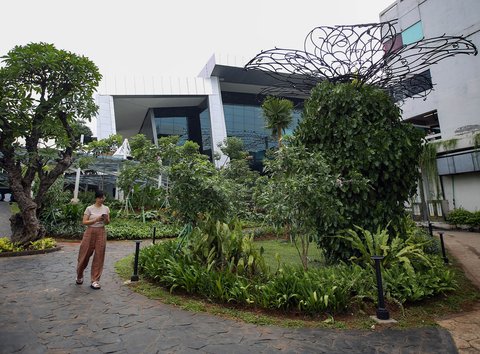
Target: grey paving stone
{"x": 42, "y": 310}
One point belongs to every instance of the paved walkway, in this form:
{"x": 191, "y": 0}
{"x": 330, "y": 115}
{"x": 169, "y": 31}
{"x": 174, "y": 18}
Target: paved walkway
{"x": 465, "y": 327}
{"x": 43, "y": 311}
{"x": 465, "y": 247}
{"x": 4, "y": 219}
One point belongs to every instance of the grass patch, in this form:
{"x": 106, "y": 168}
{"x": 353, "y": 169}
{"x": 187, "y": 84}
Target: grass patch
{"x": 288, "y": 254}
{"x": 424, "y": 313}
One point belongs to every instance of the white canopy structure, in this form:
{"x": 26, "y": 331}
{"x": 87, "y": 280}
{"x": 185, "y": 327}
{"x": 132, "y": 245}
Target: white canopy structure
{"x": 123, "y": 151}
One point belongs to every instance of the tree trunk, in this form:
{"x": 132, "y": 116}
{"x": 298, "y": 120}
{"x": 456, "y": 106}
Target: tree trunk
{"x": 26, "y": 227}
{"x": 279, "y": 135}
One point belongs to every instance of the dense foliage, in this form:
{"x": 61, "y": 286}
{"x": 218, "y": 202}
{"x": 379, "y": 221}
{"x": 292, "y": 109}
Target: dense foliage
{"x": 59, "y": 217}
{"x": 198, "y": 268}
{"x": 278, "y": 115}
{"x": 139, "y": 178}
{"x": 240, "y": 178}
{"x": 125, "y": 229}
{"x": 297, "y": 194}
{"x": 462, "y": 216}
{"x": 358, "y": 130}
{"x": 197, "y": 187}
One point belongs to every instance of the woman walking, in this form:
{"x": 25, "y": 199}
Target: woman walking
{"x": 94, "y": 239}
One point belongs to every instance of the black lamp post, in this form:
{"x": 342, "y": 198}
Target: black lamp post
{"x": 382, "y": 312}
{"x": 135, "y": 264}
{"x": 445, "y": 259}
{"x": 154, "y": 231}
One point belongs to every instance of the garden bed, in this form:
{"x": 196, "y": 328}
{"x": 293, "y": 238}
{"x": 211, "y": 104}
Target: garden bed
{"x": 29, "y": 252}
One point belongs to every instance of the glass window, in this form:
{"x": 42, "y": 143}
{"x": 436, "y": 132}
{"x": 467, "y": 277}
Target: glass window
{"x": 412, "y": 86}
{"x": 413, "y": 33}
{"x": 393, "y": 44}
{"x": 206, "y": 132}
{"x": 167, "y": 126}
{"x": 247, "y": 123}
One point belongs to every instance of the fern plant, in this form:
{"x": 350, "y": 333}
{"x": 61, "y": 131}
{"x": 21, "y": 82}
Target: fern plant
{"x": 398, "y": 251}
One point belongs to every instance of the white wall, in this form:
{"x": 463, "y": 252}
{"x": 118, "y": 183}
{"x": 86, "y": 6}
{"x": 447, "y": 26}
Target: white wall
{"x": 217, "y": 120}
{"x": 456, "y": 95}
{"x": 464, "y": 189}
{"x": 105, "y": 118}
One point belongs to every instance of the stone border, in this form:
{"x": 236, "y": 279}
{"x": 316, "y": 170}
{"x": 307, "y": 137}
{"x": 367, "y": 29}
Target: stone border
{"x": 29, "y": 252}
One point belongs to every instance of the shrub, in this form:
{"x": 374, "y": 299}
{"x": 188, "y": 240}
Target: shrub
{"x": 410, "y": 273}
{"x": 8, "y": 246}
{"x": 329, "y": 289}
{"x": 43, "y": 244}
{"x": 429, "y": 244}
{"x": 397, "y": 251}
{"x": 459, "y": 216}
{"x": 224, "y": 246}
{"x": 474, "y": 219}
{"x": 63, "y": 218}
{"x": 127, "y": 229}
{"x": 418, "y": 285}
{"x": 66, "y": 230}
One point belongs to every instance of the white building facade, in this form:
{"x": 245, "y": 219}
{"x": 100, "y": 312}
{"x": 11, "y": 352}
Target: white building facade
{"x": 223, "y": 101}
{"x": 451, "y": 112}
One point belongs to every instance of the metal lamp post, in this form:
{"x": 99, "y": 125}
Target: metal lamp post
{"x": 445, "y": 259}
{"x": 135, "y": 265}
{"x": 382, "y": 312}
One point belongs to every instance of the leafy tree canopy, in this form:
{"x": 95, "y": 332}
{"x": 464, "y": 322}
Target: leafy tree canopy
{"x": 299, "y": 193}
{"x": 44, "y": 94}
{"x": 105, "y": 146}
{"x": 278, "y": 115}
{"x": 233, "y": 148}
{"x": 197, "y": 187}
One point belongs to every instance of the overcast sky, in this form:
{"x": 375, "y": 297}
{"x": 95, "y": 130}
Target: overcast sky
{"x": 172, "y": 37}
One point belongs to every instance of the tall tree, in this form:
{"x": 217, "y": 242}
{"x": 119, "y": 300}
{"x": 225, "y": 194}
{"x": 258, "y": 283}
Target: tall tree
{"x": 278, "y": 115}
{"x": 299, "y": 193}
{"x": 359, "y": 131}
{"x": 44, "y": 93}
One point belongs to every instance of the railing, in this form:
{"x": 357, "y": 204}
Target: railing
{"x": 436, "y": 210}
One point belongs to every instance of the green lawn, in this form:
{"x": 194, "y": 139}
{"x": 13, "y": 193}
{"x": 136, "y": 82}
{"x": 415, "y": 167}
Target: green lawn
{"x": 288, "y": 254}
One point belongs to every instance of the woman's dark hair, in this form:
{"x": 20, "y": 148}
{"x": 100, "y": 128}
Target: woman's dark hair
{"x": 99, "y": 194}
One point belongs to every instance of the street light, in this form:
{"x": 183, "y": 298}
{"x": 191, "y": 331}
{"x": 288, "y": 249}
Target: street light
{"x": 135, "y": 264}
{"x": 382, "y": 312}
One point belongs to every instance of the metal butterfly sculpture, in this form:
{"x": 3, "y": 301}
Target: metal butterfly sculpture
{"x": 366, "y": 54}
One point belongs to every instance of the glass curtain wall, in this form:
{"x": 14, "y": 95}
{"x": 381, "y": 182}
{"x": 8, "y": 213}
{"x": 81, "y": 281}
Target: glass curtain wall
{"x": 189, "y": 123}
{"x": 246, "y": 121}
{"x": 206, "y": 131}
{"x": 147, "y": 128}
{"x": 168, "y": 126}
